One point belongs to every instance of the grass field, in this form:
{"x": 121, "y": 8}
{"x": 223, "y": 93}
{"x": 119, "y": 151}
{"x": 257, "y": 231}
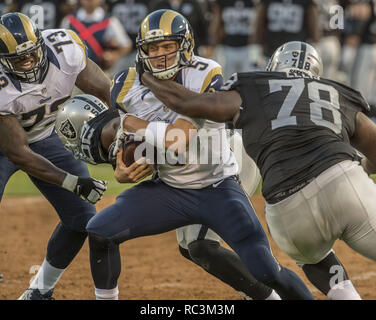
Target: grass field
{"x": 20, "y": 184}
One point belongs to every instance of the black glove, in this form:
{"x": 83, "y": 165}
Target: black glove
{"x": 140, "y": 67}
{"x": 90, "y": 189}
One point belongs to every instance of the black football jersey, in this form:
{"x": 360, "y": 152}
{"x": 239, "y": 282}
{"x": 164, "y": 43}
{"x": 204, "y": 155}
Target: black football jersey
{"x": 130, "y": 13}
{"x": 285, "y": 22}
{"x": 238, "y": 18}
{"x": 294, "y": 126}
{"x": 194, "y": 13}
{"x": 51, "y": 14}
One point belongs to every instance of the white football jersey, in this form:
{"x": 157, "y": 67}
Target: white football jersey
{"x": 35, "y": 105}
{"x": 218, "y": 161}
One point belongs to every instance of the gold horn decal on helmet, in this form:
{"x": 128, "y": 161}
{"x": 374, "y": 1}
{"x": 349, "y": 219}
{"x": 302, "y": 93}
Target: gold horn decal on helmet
{"x": 29, "y": 28}
{"x": 144, "y": 27}
{"x": 166, "y": 21}
{"x": 7, "y": 37}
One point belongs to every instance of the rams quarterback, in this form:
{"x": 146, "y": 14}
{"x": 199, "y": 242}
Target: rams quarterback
{"x": 184, "y": 193}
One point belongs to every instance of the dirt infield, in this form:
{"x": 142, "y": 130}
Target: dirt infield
{"x": 152, "y": 267}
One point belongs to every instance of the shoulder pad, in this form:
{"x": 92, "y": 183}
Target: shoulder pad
{"x": 9, "y": 91}
{"x": 67, "y": 48}
{"x": 121, "y": 85}
{"x": 204, "y": 75}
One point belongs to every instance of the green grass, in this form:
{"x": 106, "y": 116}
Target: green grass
{"x": 20, "y": 184}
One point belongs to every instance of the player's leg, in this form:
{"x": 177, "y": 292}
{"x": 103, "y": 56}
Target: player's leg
{"x": 363, "y": 73}
{"x": 359, "y": 209}
{"x": 129, "y": 217}
{"x": 330, "y": 52}
{"x": 249, "y": 174}
{"x": 231, "y": 62}
{"x": 227, "y": 211}
{"x": 202, "y": 246}
{"x": 220, "y": 57}
{"x": 331, "y": 278}
{"x": 316, "y": 216}
{"x": 69, "y": 236}
{"x": 355, "y": 213}
{"x": 7, "y": 168}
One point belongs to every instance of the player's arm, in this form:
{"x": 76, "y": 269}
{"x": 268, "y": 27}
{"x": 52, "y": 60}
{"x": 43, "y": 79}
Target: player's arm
{"x": 136, "y": 172}
{"x": 175, "y": 136}
{"x": 93, "y": 80}
{"x": 364, "y": 140}
{"x": 13, "y": 143}
{"x": 178, "y": 133}
{"x": 220, "y": 106}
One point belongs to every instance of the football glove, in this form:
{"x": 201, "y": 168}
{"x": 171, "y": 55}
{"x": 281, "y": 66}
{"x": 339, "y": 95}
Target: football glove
{"x": 88, "y": 189}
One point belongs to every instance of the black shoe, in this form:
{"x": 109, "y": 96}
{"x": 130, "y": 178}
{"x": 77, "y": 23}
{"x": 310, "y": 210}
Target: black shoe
{"x": 34, "y": 294}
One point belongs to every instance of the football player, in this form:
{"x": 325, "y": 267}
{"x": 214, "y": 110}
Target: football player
{"x": 330, "y": 45}
{"x": 363, "y": 71}
{"x": 196, "y": 242}
{"x": 130, "y": 14}
{"x": 302, "y": 131}
{"x": 280, "y": 21}
{"x": 232, "y": 30}
{"x": 184, "y": 193}
{"x": 104, "y": 36}
{"x": 38, "y": 72}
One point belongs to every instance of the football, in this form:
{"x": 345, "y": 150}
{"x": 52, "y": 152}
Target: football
{"x": 129, "y": 152}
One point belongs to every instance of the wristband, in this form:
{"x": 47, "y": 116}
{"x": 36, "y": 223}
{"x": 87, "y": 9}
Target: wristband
{"x": 70, "y": 182}
{"x": 155, "y": 133}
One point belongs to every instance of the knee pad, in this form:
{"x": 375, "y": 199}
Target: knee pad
{"x": 97, "y": 241}
{"x": 185, "y": 253}
{"x": 105, "y": 261}
{"x": 201, "y": 251}
{"x": 63, "y": 246}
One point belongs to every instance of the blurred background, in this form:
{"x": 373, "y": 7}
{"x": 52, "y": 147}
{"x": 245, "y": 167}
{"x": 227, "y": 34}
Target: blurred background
{"x": 241, "y": 35}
